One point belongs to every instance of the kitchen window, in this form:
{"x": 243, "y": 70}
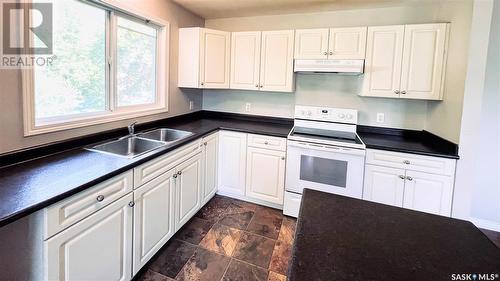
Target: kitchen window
{"x": 108, "y": 65}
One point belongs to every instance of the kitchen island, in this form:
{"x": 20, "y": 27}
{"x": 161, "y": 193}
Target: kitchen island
{"x": 341, "y": 238}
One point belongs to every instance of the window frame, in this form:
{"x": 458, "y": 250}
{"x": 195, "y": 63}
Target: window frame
{"x": 112, "y": 112}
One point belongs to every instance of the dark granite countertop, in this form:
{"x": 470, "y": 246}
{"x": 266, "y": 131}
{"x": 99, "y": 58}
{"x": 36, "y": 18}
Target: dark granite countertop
{"x": 407, "y": 141}
{"x": 32, "y": 185}
{"x": 341, "y": 238}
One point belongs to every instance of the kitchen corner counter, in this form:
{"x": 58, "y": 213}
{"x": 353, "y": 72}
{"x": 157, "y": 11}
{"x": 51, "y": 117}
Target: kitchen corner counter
{"x": 407, "y": 141}
{"x": 341, "y": 238}
{"x": 31, "y": 185}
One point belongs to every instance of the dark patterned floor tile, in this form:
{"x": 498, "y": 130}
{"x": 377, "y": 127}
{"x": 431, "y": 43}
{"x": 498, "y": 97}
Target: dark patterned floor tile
{"x": 204, "y": 265}
{"x": 273, "y": 276}
{"x": 287, "y": 231}
{"x": 150, "y": 275}
{"x": 281, "y": 256}
{"x": 172, "y": 258}
{"x": 266, "y": 222}
{"x": 237, "y": 217}
{"x": 214, "y": 209}
{"x": 194, "y": 231}
{"x": 221, "y": 239}
{"x": 244, "y": 204}
{"x": 254, "y": 249}
{"x": 240, "y": 271}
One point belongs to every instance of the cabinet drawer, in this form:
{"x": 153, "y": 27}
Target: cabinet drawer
{"x": 160, "y": 165}
{"x": 268, "y": 142}
{"x": 413, "y": 162}
{"x": 71, "y": 210}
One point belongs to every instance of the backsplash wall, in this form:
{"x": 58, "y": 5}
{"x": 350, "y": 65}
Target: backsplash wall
{"x": 331, "y": 90}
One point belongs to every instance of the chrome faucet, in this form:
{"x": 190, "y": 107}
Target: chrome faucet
{"x": 131, "y": 128}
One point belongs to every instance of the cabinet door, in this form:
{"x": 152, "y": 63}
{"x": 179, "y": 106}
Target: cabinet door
{"x": 384, "y": 185}
{"x": 265, "y": 178}
{"x": 232, "y": 162}
{"x": 347, "y": 43}
{"x": 188, "y": 190}
{"x": 210, "y": 154}
{"x": 97, "y": 248}
{"x": 384, "y": 50}
{"x": 276, "y": 66}
{"x": 428, "y": 193}
{"x": 424, "y": 61}
{"x": 214, "y": 62}
{"x": 311, "y": 43}
{"x": 245, "y": 60}
{"x": 153, "y": 218}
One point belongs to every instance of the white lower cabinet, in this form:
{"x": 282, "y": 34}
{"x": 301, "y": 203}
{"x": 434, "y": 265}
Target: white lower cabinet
{"x": 428, "y": 193}
{"x": 210, "y": 155}
{"x": 232, "y": 162}
{"x": 153, "y": 217}
{"x": 417, "y": 182}
{"x": 188, "y": 187}
{"x": 384, "y": 185}
{"x": 97, "y": 248}
{"x": 265, "y": 179}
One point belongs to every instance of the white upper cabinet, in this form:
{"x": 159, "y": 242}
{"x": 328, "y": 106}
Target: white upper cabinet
{"x": 384, "y": 51}
{"x": 333, "y": 43}
{"x": 276, "y": 64}
{"x": 311, "y": 43}
{"x": 424, "y": 61}
{"x": 347, "y": 43}
{"x": 406, "y": 61}
{"x": 204, "y": 58}
{"x": 245, "y": 60}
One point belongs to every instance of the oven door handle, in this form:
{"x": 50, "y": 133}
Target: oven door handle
{"x": 326, "y": 148}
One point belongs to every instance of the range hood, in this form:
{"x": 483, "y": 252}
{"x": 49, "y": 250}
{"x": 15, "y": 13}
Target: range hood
{"x": 354, "y": 67}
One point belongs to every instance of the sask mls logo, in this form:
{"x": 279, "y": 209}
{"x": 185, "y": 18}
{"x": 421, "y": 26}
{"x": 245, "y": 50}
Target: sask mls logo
{"x": 475, "y": 276}
{"x": 26, "y": 34}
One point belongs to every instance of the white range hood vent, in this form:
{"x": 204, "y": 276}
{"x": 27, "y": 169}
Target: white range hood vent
{"x": 353, "y": 67}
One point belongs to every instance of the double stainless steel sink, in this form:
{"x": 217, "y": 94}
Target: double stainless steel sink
{"x": 139, "y": 144}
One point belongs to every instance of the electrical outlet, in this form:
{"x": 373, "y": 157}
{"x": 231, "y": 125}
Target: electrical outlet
{"x": 248, "y": 106}
{"x": 380, "y": 117}
{"x": 191, "y": 105}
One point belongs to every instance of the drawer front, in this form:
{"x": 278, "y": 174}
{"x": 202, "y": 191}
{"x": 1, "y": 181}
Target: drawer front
{"x": 160, "y": 165}
{"x": 413, "y": 162}
{"x": 291, "y": 204}
{"x": 267, "y": 142}
{"x": 77, "y": 207}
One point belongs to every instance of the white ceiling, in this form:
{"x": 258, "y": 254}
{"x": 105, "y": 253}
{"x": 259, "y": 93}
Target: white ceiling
{"x": 210, "y": 9}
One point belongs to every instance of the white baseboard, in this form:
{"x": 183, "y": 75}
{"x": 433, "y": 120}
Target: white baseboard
{"x": 486, "y": 224}
{"x": 251, "y": 200}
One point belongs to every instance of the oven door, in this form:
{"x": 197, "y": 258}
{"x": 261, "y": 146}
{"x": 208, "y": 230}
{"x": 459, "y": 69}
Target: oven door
{"x": 326, "y": 168}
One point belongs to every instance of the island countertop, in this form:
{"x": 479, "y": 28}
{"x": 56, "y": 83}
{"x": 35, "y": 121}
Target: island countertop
{"x": 341, "y": 238}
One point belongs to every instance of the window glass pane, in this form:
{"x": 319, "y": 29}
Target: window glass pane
{"x": 136, "y": 63}
{"x": 76, "y": 81}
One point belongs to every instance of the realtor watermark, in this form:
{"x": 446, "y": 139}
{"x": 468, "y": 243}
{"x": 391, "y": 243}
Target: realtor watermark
{"x": 475, "y": 276}
{"x": 26, "y": 34}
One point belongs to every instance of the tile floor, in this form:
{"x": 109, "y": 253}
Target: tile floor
{"x": 228, "y": 240}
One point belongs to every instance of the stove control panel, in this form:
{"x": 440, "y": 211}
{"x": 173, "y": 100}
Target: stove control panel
{"x": 329, "y": 114}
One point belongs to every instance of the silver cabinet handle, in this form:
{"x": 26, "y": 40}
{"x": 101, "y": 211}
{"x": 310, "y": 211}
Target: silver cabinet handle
{"x": 257, "y": 86}
{"x": 266, "y": 142}
{"x": 283, "y": 158}
{"x": 174, "y": 176}
{"x": 403, "y": 92}
{"x": 402, "y": 177}
{"x": 261, "y": 86}
{"x": 331, "y": 53}
{"x": 325, "y": 53}
{"x": 179, "y": 173}
{"x": 202, "y": 83}
{"x": 407, "y": 162}
{"x": 409, "y": 178}
{"x": 100, "y": 198}
{"x": 131, "y": 204}
{"x": 396, "y": 92}
{"x": 205, "y": 143}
